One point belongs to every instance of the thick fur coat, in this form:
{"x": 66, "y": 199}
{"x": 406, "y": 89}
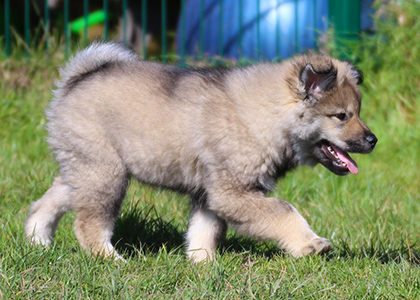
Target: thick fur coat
{"x": 222, "y": 135}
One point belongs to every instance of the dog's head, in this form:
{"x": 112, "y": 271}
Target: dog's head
{"x": 329, "y": 106}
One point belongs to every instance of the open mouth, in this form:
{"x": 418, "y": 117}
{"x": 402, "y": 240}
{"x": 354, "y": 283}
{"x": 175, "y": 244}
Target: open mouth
{"x": 339, "y": 158}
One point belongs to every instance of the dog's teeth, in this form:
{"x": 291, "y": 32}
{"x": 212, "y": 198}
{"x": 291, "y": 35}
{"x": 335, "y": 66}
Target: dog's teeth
{"x": 333, "y": 152}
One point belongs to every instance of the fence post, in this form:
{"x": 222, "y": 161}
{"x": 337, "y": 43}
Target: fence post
{"x": 106, "y": 20}
{"x": 46, "y": 26}
{"x": 182, "y": 20}
{"x": 344, "y": 17}
{"x": 258, "y": 29}
{"x": 220, "y": 29}
{"x": 86, "y": 25}
{"x": 164, "y": 32}
{"x": 66, "y": 29}
{"x": 124, "y": 16}
{"x": 144, "y": 27}
{"x": 296, "y": 26}
{"x": 27, "y": 27}
{"x": 201, "y": 38}
{"x": 240, "y": 34}
{"x": 7, "y": 26}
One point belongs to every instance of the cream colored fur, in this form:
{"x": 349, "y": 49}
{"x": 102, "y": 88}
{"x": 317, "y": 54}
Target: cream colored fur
{"x": 223, "y": 136}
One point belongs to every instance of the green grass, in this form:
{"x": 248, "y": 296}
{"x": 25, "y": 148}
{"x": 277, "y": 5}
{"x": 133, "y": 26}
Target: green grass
{"x": 372, "y": 218}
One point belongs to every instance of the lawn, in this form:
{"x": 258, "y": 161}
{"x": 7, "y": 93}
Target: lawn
{"x": 371, "y": 218}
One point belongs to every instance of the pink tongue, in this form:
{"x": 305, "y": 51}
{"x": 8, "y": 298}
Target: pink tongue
{"x": 344, "y": 157}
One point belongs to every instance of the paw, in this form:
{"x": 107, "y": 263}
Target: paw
{"x": 106, "y": 250}
{"x": 38, "y": 233}
{"x": 201, "y": 255}
{"x": 316, "y": 246}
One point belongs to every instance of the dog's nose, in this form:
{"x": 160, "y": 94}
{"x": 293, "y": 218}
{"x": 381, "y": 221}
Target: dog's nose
{"x": 371, "y": 139}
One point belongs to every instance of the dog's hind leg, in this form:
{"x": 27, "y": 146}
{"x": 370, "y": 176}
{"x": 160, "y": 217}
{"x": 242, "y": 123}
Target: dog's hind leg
{"x": 47, "y": 212}
{"x": 97, "y": 200}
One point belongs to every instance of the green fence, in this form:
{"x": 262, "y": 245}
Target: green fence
{"x": 194, "y": 26}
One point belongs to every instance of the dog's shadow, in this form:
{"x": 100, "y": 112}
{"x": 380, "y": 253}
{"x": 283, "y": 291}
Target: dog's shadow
{"x": 145, "y": 231}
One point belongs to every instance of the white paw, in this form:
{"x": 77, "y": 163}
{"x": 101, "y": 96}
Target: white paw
{"x": 316, "y": 246}
{"x": 37, "y": 233}
{"x": 201, "y": 255}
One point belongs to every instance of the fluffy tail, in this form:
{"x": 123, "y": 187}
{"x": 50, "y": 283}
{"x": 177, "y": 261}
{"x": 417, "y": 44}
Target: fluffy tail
{"x": 93, "y": 58}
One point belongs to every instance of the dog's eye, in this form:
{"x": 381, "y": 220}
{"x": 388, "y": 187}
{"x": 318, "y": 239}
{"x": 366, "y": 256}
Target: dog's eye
{"x": 341, "y": 117}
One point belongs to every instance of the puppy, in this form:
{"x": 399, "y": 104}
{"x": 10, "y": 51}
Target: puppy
{"x": 222, "y": 135}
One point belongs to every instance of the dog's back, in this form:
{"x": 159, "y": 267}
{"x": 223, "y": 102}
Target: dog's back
{"x": 164, "y": 123}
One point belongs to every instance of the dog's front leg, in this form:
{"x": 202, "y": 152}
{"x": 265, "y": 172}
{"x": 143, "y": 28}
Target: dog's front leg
{"x": 267, "y": 219}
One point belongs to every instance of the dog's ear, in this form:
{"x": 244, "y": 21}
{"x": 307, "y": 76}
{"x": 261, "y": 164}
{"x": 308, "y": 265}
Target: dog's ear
{"x": 357, "y": 74}
{"x": 317, "y": 82}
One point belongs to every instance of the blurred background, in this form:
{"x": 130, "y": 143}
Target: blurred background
{"x": 372, "y": 218}
{"x": 178, "y": 30}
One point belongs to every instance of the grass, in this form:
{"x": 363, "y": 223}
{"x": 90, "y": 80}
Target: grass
{"x": 371, "y": 218}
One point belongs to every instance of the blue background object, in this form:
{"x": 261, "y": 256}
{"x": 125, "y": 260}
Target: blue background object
{"x": 279, "y": 29}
